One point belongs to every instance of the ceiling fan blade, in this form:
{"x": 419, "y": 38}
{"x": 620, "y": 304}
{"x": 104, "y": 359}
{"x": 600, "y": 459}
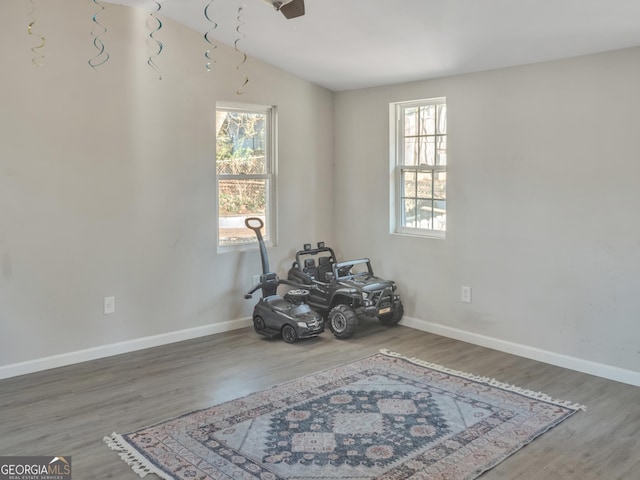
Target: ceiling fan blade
{"x": 293, "y": 9}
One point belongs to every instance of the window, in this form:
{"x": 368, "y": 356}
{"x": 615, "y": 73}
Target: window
{"x": 245, "y": 167}
{"x": 419, "y": 167}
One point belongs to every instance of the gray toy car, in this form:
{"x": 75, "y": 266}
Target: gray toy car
{"x": 345, "y": 290}
{"x": 273, "y": 315}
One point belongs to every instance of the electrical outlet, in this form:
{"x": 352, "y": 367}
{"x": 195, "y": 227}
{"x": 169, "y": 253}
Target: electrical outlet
{"x": 109, "y": 305}
{"x": 255, "y": 280}
{"x": 466, "y": 294}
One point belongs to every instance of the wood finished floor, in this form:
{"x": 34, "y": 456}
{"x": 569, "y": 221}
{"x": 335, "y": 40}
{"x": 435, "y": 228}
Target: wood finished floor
{"x": 67, "y": 411}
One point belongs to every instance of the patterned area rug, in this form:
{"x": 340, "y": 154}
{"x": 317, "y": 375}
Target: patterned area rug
{"x": 383, "y": 417}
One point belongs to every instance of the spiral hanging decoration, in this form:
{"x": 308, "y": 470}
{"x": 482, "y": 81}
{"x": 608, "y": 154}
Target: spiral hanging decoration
{"x": 102, "y": 56}
{"x": 38, "y": 57}
{"x": 214, "y": 25}
{"x": 241, "y": 36}
{"x": 154, "y": 24}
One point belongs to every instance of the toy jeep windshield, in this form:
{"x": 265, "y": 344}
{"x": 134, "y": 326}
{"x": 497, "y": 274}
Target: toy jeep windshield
{"x": 345, "y": 290}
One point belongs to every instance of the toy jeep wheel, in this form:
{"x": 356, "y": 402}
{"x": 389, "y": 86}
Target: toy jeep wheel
{"x": 289, "y": 334}
{"x": 258, "y": 324}
{"x": 391, "y": 319}
{"x": 343, "y": 321}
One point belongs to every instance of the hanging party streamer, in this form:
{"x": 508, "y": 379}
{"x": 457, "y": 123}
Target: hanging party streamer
{"x": 154, "y": 24}
{"x": 241, "y": 36}
{"x": 96, "y": 32}
{"x": 38, "y": 57}
{"x": 214, "y": 25}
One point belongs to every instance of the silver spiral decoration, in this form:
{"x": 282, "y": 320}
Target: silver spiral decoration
{"x": 96, "y": 32}
{"x": 154, "y": 24}
{"x": 207, "y": 37}
{"x": 241, "y": 36}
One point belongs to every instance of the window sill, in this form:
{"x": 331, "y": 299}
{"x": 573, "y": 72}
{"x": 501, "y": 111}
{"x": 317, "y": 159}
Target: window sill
{"x": 242, "y": 247}
{"x": 421, "y": 233}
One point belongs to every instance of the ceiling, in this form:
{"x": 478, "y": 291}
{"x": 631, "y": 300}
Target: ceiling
{"x": 348, "y": 44}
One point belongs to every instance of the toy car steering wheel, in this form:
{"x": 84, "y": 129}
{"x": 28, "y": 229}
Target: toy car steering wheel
{"x": 297, "y": 297}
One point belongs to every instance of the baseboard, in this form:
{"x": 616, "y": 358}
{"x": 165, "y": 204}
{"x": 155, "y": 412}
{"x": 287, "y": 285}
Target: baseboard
{"x": 103, "y": 351}
{"x": 572, "y": 363}
{"x": 601, "y": 370}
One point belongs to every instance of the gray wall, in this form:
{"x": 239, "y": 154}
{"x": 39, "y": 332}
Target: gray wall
{"x": 107, "y": 187}
{"x": 107, "y": 180}
{"x": 543, "y": 193}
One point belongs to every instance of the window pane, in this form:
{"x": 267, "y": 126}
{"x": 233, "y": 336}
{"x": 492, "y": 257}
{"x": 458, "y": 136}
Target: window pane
{"x": 408, "y": 183}
{"x": 441, "y": 150}
{"x": 411, "y": 151}
{"x": 427, "y": 151}
{"x": 442, "y": 119}
{"x": 440, "y": 215}
{"x": 440, "y": 185}
{"x": 420, "y": 151}
{"x": 425, "y": 185}
{"x": 239, "y": 199}
{"x": 428, "y": 120}
{"x": 241, "y": 143}
{"x": 411, "y": 121}
{"x": 409, "y": 213}
{"x": 425, "y": 213}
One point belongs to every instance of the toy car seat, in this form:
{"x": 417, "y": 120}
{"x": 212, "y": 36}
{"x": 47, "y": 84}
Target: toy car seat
{"x": 269, "y": 283}
{"x": 310, "y": 268}
{"x": 324, "y": 267}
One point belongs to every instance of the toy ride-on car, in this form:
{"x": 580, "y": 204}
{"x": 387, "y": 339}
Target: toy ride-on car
{"x": 345, "y": 290}
{"x": 273, "y": 315}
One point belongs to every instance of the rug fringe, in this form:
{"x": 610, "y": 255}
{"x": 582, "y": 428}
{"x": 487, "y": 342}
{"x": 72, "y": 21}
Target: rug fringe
{"x": 489, "y": 381}
{"x": 131, "y": 457}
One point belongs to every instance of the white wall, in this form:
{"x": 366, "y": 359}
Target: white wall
{"x": 543, "y": 201}
{"x": 107, "y": 180}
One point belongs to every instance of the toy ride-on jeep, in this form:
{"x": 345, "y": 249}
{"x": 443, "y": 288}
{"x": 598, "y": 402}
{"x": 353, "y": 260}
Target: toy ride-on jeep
{"x": 345, "y": 290}
{"x": 273, "y": 315}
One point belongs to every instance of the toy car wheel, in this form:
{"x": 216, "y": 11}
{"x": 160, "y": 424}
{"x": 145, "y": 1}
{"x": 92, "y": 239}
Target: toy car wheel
{"x": 393, "y": 318}
{"x": 258, "y": 324}
{"x": 343, "y": 321}
{"x": 289, "y": 334}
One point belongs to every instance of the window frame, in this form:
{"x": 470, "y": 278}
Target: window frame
{"x": 397, "y": 167}
{"x": 270, "y": 112}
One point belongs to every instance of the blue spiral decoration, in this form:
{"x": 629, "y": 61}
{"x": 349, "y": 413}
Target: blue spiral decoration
{"x": 207, "y": 38}
{"x": 241, "y": 36}
{"x": 155, "y": 25}
{"x": 96, "y": 32}
{"x": 38, "y": 57}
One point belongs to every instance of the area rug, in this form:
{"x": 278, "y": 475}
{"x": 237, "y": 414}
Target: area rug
{"x": 383, "y": 417}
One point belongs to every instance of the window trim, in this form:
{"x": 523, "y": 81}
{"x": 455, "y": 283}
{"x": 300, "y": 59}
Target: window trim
{"x": 271, "y": 176}
{"x": 396, "y": 156}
